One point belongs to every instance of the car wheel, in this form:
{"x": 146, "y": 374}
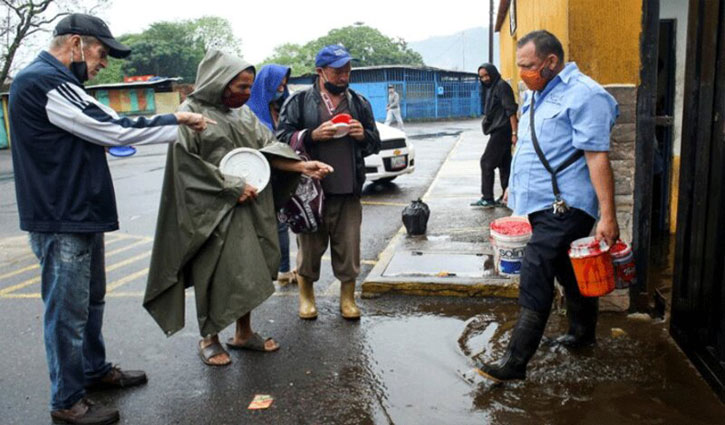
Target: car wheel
{"x": 385, "y": 180}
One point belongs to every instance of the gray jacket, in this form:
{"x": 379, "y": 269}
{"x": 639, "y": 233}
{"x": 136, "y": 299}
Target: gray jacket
{"x": 394, "y": 100}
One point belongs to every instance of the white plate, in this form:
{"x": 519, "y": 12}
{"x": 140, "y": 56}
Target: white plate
{"x": 248, "y": 164}
{"x": 341, "y": 130}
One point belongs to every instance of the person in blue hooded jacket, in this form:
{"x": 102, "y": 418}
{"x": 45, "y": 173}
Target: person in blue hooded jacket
{"x": 268, "y": 95}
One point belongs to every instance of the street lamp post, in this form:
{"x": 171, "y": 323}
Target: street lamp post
{"x": 490, "y": 32}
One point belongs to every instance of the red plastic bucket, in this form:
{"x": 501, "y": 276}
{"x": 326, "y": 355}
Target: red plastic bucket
{"x": 624, "y": 271}
{"x": 593, "y": 266}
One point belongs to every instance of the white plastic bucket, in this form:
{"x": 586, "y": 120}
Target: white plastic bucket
{"x": 509, "y": 236}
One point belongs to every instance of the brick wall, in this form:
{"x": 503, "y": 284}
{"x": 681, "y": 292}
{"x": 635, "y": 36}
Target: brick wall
{"x": 622, "y": 155}
{"x": 622, "y": 158}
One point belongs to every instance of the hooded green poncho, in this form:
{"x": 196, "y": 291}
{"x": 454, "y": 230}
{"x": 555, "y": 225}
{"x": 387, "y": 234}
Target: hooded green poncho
{"x": 228, "y": 252}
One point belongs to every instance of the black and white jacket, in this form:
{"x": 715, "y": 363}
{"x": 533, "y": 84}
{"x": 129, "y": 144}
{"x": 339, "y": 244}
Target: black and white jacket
{"x": 59, "y": 134}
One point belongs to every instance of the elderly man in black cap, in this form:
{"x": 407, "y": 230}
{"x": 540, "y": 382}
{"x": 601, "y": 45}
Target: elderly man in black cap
{"x": 66, "y": 202}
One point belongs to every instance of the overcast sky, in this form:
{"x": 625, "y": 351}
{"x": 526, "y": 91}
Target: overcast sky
{"x": 263, "y": 25}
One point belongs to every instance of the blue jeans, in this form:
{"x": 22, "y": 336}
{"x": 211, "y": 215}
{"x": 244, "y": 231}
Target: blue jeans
{"x": 283, "y": 234}
{"x": 73, "y": 279}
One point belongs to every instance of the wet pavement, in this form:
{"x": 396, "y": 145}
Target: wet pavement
{"x": 454, "y": 257}
{"x": 403, "y": 363}
{"x": 640, "y": 377}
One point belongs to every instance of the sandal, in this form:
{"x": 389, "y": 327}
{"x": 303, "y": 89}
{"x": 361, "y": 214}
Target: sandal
{"x": 254, "y": 343}
{"x": 210, "y": 351}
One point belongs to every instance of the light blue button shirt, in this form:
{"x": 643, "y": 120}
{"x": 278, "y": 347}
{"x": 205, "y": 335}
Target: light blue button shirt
{"x": 572, "y": 112}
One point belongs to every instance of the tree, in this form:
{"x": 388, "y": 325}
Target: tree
{"x": 167, "y": 49}
{"x": 216, "y": 33}
{"x": 367, "y": 44}
{"x": 172, "y": 49}
{"x": 26, "y": 18}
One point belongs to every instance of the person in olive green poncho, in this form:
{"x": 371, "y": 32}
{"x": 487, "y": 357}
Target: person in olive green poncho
{"x": 214, "y": 231}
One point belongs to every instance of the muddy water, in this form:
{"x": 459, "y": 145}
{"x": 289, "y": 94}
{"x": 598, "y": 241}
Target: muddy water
{"x": 417, "y": 358}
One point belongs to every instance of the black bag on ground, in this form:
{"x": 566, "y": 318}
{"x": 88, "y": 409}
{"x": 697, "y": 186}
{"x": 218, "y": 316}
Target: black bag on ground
{"x": 415, "y": 217}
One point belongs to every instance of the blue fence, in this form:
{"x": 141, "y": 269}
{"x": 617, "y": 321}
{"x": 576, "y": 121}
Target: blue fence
{"x": 425, "y": 93}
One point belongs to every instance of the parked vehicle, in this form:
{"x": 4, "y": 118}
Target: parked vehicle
{"x": 396, "y": 156}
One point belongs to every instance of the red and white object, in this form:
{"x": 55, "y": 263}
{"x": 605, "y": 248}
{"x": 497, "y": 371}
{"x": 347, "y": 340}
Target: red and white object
{"x": 593, "y": 266}
{"x": 509, "y": 236}
{"x": 625, "y": 273}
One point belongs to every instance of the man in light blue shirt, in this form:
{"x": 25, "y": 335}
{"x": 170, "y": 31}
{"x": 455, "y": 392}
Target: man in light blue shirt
{"x": 573, "y": 117}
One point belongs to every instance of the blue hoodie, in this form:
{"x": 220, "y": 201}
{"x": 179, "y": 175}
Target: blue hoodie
{"x": 264, "y": 89}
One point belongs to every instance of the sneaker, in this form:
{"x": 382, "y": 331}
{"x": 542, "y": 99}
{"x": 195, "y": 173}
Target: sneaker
{"x": 484, "y": 203}
{"x": 117, "y": 378}
{"x": 85, "y": 412}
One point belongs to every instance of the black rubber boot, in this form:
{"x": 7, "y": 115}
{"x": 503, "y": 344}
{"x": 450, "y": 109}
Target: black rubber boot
{"x": 524, "y": 341}
{"x": 582, "y": 315}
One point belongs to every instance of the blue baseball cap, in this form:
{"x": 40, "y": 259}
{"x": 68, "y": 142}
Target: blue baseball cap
{"x": 334, "y": 56}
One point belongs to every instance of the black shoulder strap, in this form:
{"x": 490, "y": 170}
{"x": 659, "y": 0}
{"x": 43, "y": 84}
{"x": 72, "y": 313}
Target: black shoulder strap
{"x": 570, "y": 160}
{"x": 301, "y": 106}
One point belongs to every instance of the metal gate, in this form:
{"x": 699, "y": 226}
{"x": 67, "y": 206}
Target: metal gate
{"x": 698, "y": 300}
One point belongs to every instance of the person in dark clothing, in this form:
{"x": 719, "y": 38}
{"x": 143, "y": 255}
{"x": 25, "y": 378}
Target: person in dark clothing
{"x": 500, "y": 124}
{"x": 305, "y": 123}
{"x": 268, "y": 95}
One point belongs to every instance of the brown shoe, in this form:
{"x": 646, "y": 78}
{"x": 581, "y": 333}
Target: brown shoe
{"x": 117, "y": 378}
{"x": 284, "y": 278}
{"x": 85, "y": 412}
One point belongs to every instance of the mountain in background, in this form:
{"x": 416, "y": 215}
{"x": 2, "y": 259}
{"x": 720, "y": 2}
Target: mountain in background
{"x": 462, "y": 51}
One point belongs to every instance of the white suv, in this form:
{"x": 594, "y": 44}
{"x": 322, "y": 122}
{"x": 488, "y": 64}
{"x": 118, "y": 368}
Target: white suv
{"x": 396, "y": 156}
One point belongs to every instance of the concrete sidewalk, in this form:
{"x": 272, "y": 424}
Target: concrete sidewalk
{"x": 454, "y": 257}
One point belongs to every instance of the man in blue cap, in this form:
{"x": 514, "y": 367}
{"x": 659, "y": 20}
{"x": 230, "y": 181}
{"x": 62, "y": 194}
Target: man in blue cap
{"x": 66, "y": 202}
{"x": 306, "y": 123}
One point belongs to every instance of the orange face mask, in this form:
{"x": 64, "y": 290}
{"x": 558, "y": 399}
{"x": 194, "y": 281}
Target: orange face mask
{"x": 534, "y": 80}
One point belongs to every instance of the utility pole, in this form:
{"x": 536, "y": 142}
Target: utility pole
{"x": 490, "y": 32}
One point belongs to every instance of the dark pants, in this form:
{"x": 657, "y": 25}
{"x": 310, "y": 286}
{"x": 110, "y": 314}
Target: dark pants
{"x": 546, "y": 257}
{"x": 496, "y": 155}
{"x": 283, "y": 234}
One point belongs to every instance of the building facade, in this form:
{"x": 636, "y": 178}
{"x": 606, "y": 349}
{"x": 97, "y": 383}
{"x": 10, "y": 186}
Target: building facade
{"x": 425, "y": 93}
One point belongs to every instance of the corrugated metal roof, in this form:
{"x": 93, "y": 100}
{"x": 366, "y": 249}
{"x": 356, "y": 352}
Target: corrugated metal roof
{"x": 412, "y": 67}
{"x": 165, "y": 80}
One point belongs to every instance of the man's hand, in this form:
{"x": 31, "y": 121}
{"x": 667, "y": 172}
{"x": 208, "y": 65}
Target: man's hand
{"x": 315, "y": 169}
{"x": 357, "y": 131}
{"x": 514, "y": 139}
{"x": 607, "y": 229}
{"x": 600, "y": 172}
{"x": 196, "y": 122}
{"x": 505, "y": 197}
{"x": 324, "y": 132}
{"x": 250, "y": 193}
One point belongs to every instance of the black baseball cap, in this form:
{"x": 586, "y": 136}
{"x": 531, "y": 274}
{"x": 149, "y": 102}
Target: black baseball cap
{"x": 82, "y": 24}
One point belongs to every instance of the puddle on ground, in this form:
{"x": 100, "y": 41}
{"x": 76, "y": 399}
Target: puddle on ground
{"x": 422, "y": 366}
